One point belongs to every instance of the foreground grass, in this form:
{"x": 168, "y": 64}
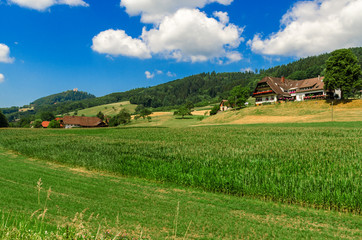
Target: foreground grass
{"x": 317, "y": 165}
{"x": 96, "y": 205}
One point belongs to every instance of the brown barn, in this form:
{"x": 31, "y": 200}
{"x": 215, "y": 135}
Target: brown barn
{"x": 85, "y": 122}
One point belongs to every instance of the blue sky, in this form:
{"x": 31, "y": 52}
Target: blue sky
{"x": 49, "y": 46}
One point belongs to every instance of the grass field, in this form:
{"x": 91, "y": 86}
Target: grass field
{"x": 97, "y": 205}
{"x": 108, "y": 109}
{"x": 292, "y": 112}
{"x": 317, "y": 165}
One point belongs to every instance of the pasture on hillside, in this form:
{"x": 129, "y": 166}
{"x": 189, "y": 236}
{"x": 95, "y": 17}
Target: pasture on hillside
{"x": 108, "y": 109}
{"x": 316, "y": 165}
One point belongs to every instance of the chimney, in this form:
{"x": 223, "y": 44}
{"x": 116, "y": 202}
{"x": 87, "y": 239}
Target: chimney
{"x": 283, "y": 79}
{"x": 319, "y": 77}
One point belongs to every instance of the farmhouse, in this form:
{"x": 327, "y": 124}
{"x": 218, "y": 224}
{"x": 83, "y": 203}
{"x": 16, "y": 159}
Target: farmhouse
{"x": 271, "y": 89}
{"x": 224, "y": 105}
{"x": 86, "y": 122}
{"x": 45, "y": 124}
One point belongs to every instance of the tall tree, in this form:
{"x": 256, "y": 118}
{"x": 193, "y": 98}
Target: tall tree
{"x": 238, "y": 96}
{"x": 47, "y": 116}
{"x": 183, "y": 111}
{"x": 3, "y": 121}
{"x": 342, "y": 72}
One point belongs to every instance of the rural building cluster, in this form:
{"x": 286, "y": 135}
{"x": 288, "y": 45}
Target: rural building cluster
{"x": 77, "y": 122}
{"x": 271, "y": 90}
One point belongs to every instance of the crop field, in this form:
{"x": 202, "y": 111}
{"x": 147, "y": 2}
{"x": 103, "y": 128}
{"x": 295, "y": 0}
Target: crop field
{"x": 42, "y": 200}
{"x": 316, "y": 165}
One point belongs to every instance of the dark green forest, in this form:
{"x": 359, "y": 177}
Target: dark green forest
{"x": 200, "y": 89}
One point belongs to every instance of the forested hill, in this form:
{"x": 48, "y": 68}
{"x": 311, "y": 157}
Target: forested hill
{"x": 67, "y": 96}
{"x": 306, "y": 67}
{"x": 200, "y": 89}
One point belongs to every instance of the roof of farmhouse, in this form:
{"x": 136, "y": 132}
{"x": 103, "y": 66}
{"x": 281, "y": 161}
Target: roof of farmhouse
{"x": 282, "y": 86}
{"x": 82, "y": 121}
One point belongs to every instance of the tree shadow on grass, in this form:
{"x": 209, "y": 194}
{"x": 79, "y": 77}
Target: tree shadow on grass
{"x": 184, "y": 118}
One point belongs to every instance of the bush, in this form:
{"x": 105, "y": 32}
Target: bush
{"x": 37, "y": 123}
{"x": 214, "y": 110}
{"x": 3, "y": 121}
{"x": 123, "y": 117}
{"x": 54, "y": 124}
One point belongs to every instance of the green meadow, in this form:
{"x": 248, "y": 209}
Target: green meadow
{"x": 212, "y": 182}
{"x": 97, "y": 205}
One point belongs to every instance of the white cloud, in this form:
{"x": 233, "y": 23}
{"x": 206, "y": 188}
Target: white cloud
{"x": 42, "y": 5}
{"x": 149, "y": 75}
{"x": 222, "y": 16}
{"x": 314, "y": 27}
{"x": 180, "y": 33}
{"x": 153, "y": 11}
{"x": 5, "y": 54}
{"x": 233, "y": 57}
{"x": 159, "y": 72}
{"x": 170, "y": 74}
{"x": 189, "y": 35}
{"x": 2, "y": 78}
{"x": 117, "y": 42}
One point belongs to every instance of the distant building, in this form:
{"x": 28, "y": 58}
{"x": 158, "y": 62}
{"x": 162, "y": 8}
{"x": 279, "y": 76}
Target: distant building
{"x": 224, "y": 105}
{"x": 85, "y": 122}
{"x": 271, "y": 89}
{"x": 45, "y": 124}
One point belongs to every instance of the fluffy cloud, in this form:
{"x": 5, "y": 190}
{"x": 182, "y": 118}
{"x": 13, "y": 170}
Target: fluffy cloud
{"x": 314, "y": 27}
{"x": 117, "y": 42}
{"x": 153, "y": 11}
{"x": 149, "y": 75}
{"x": 5, "y": 54}
{"x": 41, "y": 5}
{"x": 2, "y": 78}
{"x": 189, "y": 35}
{"x": 222, "y": 16}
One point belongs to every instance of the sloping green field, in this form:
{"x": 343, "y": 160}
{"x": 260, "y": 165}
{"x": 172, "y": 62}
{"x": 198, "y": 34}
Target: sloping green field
{"x": 97, "y": 205}
{"x": 108, "y": 109}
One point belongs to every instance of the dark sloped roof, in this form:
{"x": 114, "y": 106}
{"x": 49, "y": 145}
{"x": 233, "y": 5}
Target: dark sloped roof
{"x": 82, "y": 121}
{"x": 280, "y": 85}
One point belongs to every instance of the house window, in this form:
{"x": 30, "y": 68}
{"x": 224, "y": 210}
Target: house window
{"x": 259, "y": 99}
{"x": 266, "y": 99}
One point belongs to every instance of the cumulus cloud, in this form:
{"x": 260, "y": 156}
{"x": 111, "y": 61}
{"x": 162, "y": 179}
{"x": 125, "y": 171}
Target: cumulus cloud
{"x": 189, "y": 35}
{"x": 2, "y": 78}
{"x": 153, "y": 11}
{"x": 222, "y": 16}
{"x": 117, "y": 42}
{"x": 42, "y": 5}
{"x": 149, "y": 75}
{"x": 181, "y": 33}
{"x": 5, "y": 54}
{"x": 314, "y": 27}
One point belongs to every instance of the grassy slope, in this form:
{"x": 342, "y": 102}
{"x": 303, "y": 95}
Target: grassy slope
{"x": 133, "y": 206}
{"x": 309, "y": 111}
{"x": 108, "y": 109}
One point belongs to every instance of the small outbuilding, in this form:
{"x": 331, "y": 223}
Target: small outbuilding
{"x": 83, "y": 122}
